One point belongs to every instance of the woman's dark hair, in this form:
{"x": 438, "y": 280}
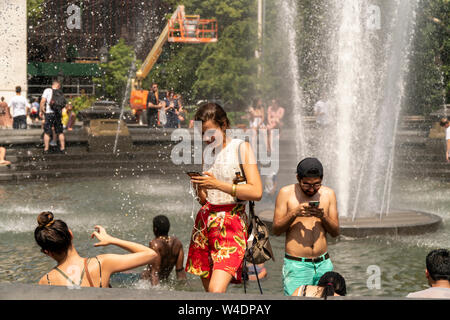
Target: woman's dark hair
{"x": 52, "y": 235}
{"x": 212, "y": 111}
{"x": 332, "y": 282}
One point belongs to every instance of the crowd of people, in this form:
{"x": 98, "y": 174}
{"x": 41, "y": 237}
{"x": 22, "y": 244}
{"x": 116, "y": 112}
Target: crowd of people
{"x": 44, "y": 113}
{"x": 164, "y": 110}
{"x": 267, "y": 118}
{"x": 305, "y": 212}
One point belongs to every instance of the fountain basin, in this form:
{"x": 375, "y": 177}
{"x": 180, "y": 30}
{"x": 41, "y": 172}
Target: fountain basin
{"x": 398, "y": 222}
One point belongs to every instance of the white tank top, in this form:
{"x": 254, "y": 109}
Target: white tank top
{"x": 224, "y": 168}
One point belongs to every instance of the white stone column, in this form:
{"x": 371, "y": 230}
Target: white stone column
{"x": 13, "y": 47}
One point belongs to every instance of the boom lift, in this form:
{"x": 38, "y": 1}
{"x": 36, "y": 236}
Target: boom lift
{"x": 180, "y": 28}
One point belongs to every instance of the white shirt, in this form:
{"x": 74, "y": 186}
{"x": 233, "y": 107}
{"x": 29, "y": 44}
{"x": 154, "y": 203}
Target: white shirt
{"x": 447, "y": 133}
{"x": 47, "y": 95}
{"x": 18, "y": 105}
{"x": 224, "y": 168}
{"x": 432, "y": 293}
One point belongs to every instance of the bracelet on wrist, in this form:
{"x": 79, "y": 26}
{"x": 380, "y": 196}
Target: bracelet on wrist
{"x": 233, "y": 190}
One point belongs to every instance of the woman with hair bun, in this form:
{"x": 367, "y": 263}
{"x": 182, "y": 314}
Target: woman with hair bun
{"x": 55, "y": 239}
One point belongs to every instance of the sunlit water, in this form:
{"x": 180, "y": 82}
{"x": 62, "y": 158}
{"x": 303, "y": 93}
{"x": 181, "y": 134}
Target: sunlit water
{"x": 126, "y": 207}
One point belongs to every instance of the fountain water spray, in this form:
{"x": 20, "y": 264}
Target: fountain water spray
{"x": 288, "y": 12}
{"x": 367, "y": 73}
{"x": 126, "y": 97}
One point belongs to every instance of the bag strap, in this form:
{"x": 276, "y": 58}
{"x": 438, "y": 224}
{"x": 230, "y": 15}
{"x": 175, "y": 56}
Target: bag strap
{"x": 256, "y": 274}
{"x": 250, "y": 228}
{"x": 251, "y": 203}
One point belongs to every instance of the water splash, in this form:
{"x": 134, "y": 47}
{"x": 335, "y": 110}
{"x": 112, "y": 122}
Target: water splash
{"x": 367, "y": 71}
{"x": 288, "y": 17}
{"x": 126, "y": 97}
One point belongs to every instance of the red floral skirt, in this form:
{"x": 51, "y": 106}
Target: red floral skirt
{"x": 218, "y": 241}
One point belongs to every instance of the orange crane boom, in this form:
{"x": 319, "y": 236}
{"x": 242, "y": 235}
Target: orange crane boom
{"x": 180, "y": 28}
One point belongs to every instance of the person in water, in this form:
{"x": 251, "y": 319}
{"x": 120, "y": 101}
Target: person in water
{"x": 218, "y": 241}
{"x": 55, "y": 239}
{"x": 437, "y": 273}
{"x": 306, "y": 212}
{"x": 330, "y": 284}
{"x": 170, "y": 253}
{"x": 260, "y": 269}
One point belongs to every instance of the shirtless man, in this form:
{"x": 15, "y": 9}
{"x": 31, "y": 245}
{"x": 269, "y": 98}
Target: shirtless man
{"x": 170, "y": 253}
{"x": 306, "y": 257}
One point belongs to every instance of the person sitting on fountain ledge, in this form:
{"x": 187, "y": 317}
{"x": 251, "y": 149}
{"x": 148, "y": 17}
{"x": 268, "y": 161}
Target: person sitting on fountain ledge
{"x": 170, "y": 253}
{"x": 306, "y": 211}
{"x": 438, "y": 276}
{"x": 55, "y": 239}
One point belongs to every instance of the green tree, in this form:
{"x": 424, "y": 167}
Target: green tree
{"x": 81, "y": 102}
{"x": 115, "y": 72}
{"x": 34, "y": 10}
{"x": 224, "y": 70}
{"x": 229, "y": 73}
{"x": 429, "y": 76}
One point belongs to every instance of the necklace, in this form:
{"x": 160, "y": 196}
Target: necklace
{"x": 165, "y": 238}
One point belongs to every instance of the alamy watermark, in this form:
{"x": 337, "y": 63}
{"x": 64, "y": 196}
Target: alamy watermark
{"x": 205, "y": 148}
{"x": 74, "y": 19}
{"x": 373, "y": 21}
{"x": 374, "y": 280}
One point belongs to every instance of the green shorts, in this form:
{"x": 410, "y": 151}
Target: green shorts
{"x": 298, "y": 273}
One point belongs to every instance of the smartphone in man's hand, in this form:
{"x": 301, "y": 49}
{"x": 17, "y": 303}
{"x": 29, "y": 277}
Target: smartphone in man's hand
{"x": 314, "y": 204}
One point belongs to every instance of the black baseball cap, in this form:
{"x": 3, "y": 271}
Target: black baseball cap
{"x": 310, "y": 168}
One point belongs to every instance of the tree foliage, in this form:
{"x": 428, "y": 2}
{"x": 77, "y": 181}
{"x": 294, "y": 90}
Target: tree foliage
{"x": 112, "y": 84}
{"x": 224, "y": 70}
{"x": 429, "y": 80}
{"x": 34, "y": 10}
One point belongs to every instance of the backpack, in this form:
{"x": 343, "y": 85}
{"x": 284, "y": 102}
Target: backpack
{"x": 58, "y": 102}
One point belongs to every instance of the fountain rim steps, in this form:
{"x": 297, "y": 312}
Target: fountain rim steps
{"x": 398, "y": 223}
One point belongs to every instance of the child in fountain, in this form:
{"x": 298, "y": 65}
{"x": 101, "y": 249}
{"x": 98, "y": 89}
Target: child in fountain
{"x": 306, "y": 211}
{"x": 170, "y": 253}
{"x": 218, "y": 242}
{"x": 55, "y": 239}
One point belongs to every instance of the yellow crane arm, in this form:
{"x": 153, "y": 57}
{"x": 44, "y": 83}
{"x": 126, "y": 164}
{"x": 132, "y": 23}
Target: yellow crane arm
{"x": 154, "y": 54}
